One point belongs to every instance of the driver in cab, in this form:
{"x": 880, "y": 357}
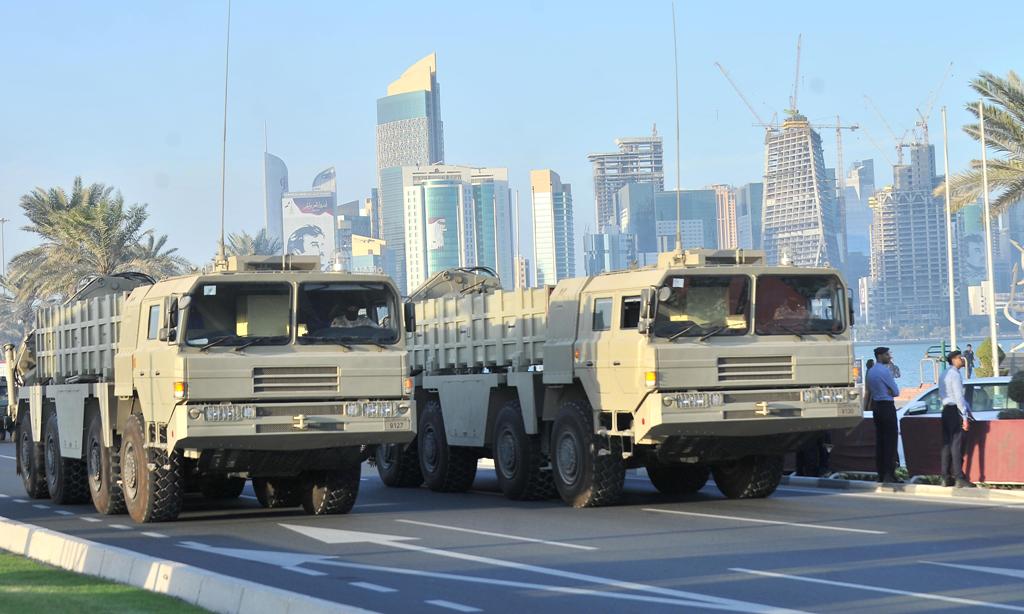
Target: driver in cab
{"x": 353, "y": 317}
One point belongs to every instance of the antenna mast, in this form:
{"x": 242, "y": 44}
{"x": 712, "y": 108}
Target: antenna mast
{"x": 679, "y": 209}
{"x": 221, "y": 256}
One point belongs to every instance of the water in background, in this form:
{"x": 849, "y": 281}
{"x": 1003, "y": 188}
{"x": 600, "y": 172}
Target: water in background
{"x": 908, "y": 354}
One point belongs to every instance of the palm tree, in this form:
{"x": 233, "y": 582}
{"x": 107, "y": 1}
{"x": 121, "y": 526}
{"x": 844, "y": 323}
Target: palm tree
{"x": 245, "y": 244}
{"x": 1004, "y": 134}
{"x": 91, "y": 233}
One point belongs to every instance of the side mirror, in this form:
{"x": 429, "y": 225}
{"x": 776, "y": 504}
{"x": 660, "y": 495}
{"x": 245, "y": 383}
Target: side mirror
{"x": 648, "y": 309}
{"x": 167, "y": 334}
{"x": 849, "y": 306}
{"x": 410, "y": 317}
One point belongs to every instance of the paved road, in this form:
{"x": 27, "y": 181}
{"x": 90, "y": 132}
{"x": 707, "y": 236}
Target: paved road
{"x": 414, "y": 550}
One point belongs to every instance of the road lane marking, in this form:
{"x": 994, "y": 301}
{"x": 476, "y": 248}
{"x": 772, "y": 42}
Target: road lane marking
{"x": 3, "y": 496}
{"x": 304, "y": 571}
{"x": 90, "y": 519}
{"x": 451, "y": 605}
{"x": 249, "y": 497}
{"x": 8, "y": 457}
{"x": 999, "y": 571}
{"x": 63, "y": 512}
{"x": 19, "y": 501}
{"x": 900, "y": 497}
{"x": 879, "y": 589}
{"x": 802, "y": 525}
{"x": 375, "y": 504}
{"x": 502, "y": 535}
{"x": 154, "y": 534}
{"x": 377, "y": 588}
{"x": 40, "y": 506}
{"x": 120, "y": 527}
{"x": 338, "y": 536}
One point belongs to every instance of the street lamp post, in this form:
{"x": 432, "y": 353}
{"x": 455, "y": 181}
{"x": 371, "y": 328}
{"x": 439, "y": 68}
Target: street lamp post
{"x": 990, "y": 291}
{"x": 3, "y": 256}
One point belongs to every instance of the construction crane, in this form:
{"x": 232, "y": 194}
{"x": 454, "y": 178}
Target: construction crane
{"x": 840, "y": 171}
{"x": 880, "y": 149}
{"x": 923, "y": 121}
{"x": 736, "y": 88}
{"x": 901, "y": 141}
{"x": 793, "y": 110}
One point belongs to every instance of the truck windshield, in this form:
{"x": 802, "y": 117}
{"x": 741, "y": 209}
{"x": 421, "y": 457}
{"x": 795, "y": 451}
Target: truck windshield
{"x": 799, "y": 305}
{"x": 239, "y": 313}
{"x": 702, "y": 306}
{"x": 347, "y": 313}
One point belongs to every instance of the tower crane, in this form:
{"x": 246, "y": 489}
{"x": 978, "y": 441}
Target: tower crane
{"x": 736, "y": 88}
{"x": 923, "y": 121}
{"x": 901, "y": 142}
{"x": 840, "y": 174}
{"x": 793, "y": 110}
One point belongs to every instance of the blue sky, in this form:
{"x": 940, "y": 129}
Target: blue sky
{"x": 130, "y": 93}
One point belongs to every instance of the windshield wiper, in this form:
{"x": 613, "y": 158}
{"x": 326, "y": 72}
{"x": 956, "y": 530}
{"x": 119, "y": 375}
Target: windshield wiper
{"x": 314, "y": 339}
{"x": 711, "y": 333}
{"x": 363, "y": 340}
{"x": 217, "y": 341}
{"x": 255, "y": 340}
{"x": 682, "y": 331}
{"x": 791, "y": 330}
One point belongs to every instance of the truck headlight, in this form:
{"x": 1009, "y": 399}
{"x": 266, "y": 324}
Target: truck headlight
{"x": 228, "y": 413}
{"x": 401, "y": 409}
{"x": 353, "y": 410}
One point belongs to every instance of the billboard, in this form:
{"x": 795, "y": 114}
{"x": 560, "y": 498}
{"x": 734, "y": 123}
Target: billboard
{"x": 309, "y": 224}
{"x": 275, "y": 178}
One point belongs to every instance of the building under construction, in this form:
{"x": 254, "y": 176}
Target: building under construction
{"x": 801, "y": 217}
{"x": 638, "y": 160}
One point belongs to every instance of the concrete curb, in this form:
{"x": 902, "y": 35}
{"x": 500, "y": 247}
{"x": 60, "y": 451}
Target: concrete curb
{"x": 206, "y": 589}
{"x": 920, "y": 490}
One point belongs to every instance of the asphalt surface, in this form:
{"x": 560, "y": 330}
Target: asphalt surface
{"x": 404, "y": 550}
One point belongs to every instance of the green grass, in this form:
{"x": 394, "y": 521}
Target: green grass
{"x": 27, "y": 586}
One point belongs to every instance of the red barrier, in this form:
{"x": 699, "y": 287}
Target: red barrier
{"x": 993, "y": 449}
{"x": 854, "y": 450}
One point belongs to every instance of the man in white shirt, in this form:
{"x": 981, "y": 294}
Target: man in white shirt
{"x": 956, "y": 421}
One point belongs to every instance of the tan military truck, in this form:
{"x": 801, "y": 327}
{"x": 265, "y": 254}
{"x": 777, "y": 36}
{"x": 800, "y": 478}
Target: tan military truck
{"x": 710, "y": 363}
{"x": 133, "y": 392}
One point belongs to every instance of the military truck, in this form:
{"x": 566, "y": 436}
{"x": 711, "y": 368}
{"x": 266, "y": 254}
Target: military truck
{"x": 710, "y": 363}
{"x": 135, "y": 391}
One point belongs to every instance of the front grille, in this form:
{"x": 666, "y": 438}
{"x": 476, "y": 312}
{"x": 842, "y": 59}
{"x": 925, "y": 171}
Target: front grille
{"x": 289, "y": 428}
{"x": 773, "y": 396}
{"x": 754, "y": 368}
{"x": 264, "y": 411}
{"x": 294, "y": 379}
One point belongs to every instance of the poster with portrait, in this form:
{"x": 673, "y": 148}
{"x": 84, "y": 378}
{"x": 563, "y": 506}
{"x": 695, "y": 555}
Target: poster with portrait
{"x": 309, "y": 224}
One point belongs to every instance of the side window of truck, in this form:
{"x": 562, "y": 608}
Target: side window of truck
{"x": 154, "y": 321}
{"x": 602, "y": 314}
{"x": 630, "y": 312}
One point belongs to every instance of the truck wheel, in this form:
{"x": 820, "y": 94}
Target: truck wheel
{"x": 30, "y": 458}
{"x": 444, "y": 468}
{"x": 220, "y": 487}
{"x": 103, "y": 468}
{"x": 65, "y": 477}
{"x": 331, "y": 492}
{"x": 678, "y": 479}
{"x": 586, "y": 473}
{"x": 518, "y": 460}
{"x": 398, "y": 464}
{"x": 277, "y": 492}
{"x": 751, "y": 477}
{"x": 152, "y": 479}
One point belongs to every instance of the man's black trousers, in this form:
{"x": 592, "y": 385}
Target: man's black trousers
{"x": 886, "y": 434}
{"x": 952, "y": 443}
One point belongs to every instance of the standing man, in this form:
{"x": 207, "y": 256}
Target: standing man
{"x": 956, "y": 421}
{"x": 968, "y": 358}
{"x": 882, "y": 387}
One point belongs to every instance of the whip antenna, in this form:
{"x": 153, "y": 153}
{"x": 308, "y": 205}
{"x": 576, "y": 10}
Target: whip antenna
{"x": 679, "y": 208}
{"x": 221, "y": 255}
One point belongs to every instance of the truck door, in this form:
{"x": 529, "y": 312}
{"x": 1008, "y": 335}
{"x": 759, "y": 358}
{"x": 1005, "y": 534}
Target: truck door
{"x": 148, "y": 344}
{"x": 595, "y": 324}
{"x": 624, "y": 343}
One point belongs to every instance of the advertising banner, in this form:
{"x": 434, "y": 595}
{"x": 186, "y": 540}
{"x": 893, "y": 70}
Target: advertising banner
{"x": 309, "y": 224}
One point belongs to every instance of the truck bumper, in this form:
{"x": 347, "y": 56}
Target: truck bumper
{"x": 741, "y": 413}
{"x": 284, "y": 427}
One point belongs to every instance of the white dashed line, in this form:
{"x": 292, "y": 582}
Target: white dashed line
{"x": 40, "y": 506}
{"x": 120, "y": 527}
{"x": 878, "y": 589}
{"x": 501, "y": 535}
{"x": 451, "y": 605}
{"x": 377, "y": 588}
{"x": 154, "y": 534}
{"x": 249, "y": 497}
{"x": 2, "y": 496}
{"x": 802, "y": 525}
{"x": 90, "y": 519}
{"x": 308, "y": 572}
{"x": 64, "y": 512}
{"x": 20, "y": 501}
{"x": 7, "y": 457}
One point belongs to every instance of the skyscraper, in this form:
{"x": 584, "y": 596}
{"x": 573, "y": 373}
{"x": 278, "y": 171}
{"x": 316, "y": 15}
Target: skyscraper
{"x": 554, "y": 250}
{"x": 611, "y": 250}
{"x": 638, "y": 160}
{"x": 635, "y": 202}
{"x": 908, "y": 247}
{"x": 749, "y": 199}
{"x": 801, "y": 220}
{"x": 725, "y": 195}
{"x": 698, "y": 223}
{"x": 275, "y": 184}
{"x": 409, "y": 133}
{"x": 860, "y": 186}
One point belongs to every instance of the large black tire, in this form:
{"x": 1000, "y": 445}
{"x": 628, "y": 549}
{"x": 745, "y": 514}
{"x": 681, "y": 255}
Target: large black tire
{"x": 444, "y": 468}
{"x": 588, "y": 472}
{"x": 152, "y": 480}
{"x": 751, "y": 477}
{"x": 103, "y": 468}
{"x": 518, "y": 461}
{"x": 398, "y": 464}
{"x": 31, "y": 461}
{"x": 221, "y": 487}
{"x": 678, "y": 479}
{"x": 65, "y": 477}
{"x": 275, "y": 493}
{"x": 331, "y": 492}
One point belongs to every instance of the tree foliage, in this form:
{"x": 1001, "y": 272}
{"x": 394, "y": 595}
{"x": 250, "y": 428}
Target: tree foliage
{"x": 245, "y": 244}
{"x": 984, "y": 355}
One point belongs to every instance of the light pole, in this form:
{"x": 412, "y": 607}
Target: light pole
{"x": 3, "y": 257}
{"x": 990, "y": 291}
{"x": 949, "y": 236}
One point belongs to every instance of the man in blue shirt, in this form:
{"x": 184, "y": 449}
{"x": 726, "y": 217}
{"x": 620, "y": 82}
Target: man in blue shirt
{"x": 882, "y": 387}
{"x": 956, "y": 421}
